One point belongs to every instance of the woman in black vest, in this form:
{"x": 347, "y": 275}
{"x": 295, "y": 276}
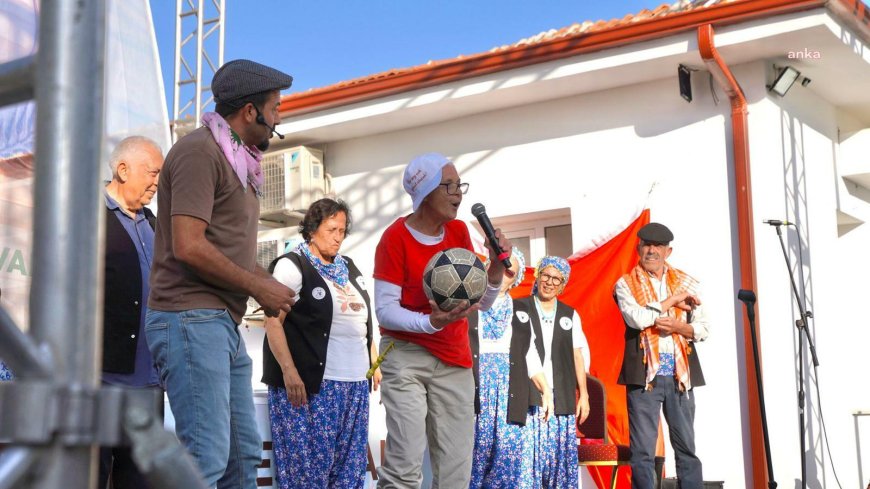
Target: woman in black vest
{"x": 315, "y": 359}
{"x": 550, "y": 459}
{"x": 498, "y": 442}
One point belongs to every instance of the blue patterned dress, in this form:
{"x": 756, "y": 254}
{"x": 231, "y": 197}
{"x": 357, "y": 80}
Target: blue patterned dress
{"x": 550, "y": 447}
{"x": 498, "y": 445}
{"x": 550, "y": 452}
{"x": 5, "y": 373}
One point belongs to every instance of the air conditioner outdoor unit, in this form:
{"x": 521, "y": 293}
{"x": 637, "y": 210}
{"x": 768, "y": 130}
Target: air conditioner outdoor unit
{"x": 270, "y": 245}
{"x": 294, "y": 178}
{"x": 269, "y": 250}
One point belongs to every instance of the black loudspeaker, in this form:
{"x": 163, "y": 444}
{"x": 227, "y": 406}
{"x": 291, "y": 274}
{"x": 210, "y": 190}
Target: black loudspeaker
{"x": 673, "y": 483}
{"x": 685, "y": 76}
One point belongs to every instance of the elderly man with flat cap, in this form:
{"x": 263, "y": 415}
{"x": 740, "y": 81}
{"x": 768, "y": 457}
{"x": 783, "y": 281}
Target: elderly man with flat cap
{"x": 205, "y": 268}
{"x": 664, "y": 318}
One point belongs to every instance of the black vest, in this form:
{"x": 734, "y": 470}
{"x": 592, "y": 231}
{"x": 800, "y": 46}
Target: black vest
{"x": 307, "y": 327}
{"x": 633, "y": 371}
{"x": 122, "y": 302}
{"x": 521, "y": 392}
{"x": 474, "y": 343}
{"x": 561, "y": 354}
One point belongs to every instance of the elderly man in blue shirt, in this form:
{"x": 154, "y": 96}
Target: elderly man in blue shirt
{"x": 135, "y": 165}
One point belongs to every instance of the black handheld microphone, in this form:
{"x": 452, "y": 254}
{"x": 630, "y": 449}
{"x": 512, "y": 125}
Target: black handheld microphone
{"x": 262, "y": 120}
{"x": 479, "y": 211}
{"x": 777, "y": 222}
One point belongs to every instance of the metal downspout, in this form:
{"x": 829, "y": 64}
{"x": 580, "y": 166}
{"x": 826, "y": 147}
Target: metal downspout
{"x": 745, "y": 236}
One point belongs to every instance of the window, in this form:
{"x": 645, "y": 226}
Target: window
{"x": 538, "y": 234}
{"x": 557, "y": 240}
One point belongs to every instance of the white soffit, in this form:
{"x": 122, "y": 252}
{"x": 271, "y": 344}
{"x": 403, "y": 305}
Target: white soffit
{"x": 844, "y": 57}
{"x": 602, "y": 70}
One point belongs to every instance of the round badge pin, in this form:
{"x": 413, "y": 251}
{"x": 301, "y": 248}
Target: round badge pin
{"x": 522, "y": 316}
{"x": 565, "y": 323}
{"x": 318, "y": 293}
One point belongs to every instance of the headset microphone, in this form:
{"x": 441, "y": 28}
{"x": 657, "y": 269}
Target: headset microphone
{"x": 262, "y": 120}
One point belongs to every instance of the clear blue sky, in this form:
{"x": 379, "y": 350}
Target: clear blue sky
{"x": 321, "y": 42}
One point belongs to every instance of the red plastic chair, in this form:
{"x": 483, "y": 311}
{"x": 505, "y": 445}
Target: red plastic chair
{"x": 593, "y": 448}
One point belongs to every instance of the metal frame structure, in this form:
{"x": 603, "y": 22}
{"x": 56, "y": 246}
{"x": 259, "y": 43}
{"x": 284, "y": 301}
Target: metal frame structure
{"x": 191, "y": 59}
{"x": 54, "y": 414}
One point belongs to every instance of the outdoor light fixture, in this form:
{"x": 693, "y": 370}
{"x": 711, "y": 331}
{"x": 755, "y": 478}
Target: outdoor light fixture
{"x": 784, "y": 80}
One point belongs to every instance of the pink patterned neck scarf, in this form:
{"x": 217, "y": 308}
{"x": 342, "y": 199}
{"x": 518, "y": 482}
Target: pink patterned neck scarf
{"x": 245, "y": 160}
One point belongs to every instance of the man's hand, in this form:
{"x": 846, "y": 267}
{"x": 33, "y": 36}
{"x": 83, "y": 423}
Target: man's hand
{"x": 295, "y": 388}
{"x": 272, "y": 295}
{"x": 667, "y": 325}
{"x": 582, "y": 408}
{"x": 438, "y": 318}
{"x": 683, "y": 300}
{"x": 688, "y": 303}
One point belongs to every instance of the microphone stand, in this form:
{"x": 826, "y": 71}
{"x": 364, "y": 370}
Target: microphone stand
{"x": 803, "y": 333}
{"x": 748, "y": 298}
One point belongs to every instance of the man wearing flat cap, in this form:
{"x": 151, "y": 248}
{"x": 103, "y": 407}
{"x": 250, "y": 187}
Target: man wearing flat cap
{"x": 205, "y": 268}
{"x": 664, "y": 317}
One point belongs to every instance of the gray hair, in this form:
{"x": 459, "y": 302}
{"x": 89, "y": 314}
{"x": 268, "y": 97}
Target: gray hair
{"x": 127, "y": 146}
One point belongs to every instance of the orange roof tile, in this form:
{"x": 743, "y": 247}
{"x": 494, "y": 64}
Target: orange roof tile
{"x": 572, "y": 40}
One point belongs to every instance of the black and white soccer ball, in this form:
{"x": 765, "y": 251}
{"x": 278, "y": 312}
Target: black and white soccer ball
{"x": 452, "y": 276}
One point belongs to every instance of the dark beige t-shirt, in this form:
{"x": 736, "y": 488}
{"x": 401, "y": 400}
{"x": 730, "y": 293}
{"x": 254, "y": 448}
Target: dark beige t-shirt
{"x": 197, "y": 180}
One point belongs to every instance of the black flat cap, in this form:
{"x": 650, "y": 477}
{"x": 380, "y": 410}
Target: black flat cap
{"x": 655, "y": 233}
{"x": 241, "y": 77}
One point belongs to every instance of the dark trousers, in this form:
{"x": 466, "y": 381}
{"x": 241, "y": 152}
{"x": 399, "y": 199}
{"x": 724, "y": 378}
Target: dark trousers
{"x": 118, "y": 463}
{"x": 644, "y": 407}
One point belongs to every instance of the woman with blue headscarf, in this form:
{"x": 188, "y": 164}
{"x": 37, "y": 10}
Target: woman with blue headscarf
{"x": 557, "y": 372}
{"x": 498, "y": 443}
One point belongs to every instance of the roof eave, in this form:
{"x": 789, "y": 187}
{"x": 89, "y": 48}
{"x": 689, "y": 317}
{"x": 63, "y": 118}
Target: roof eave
{"x": 550, "y": 50}
{"x": 854, "y": 14}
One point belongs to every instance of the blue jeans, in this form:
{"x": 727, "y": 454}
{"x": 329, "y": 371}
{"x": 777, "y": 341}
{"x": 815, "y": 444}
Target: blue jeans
{"x": 643, "y": 428}
{"x": 206, "y": 371}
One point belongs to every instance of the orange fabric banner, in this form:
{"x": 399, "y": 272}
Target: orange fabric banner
{"x": 590, "y": 292}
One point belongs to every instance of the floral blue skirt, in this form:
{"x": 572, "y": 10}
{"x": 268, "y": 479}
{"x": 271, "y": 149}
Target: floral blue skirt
{"x": 323, "y": 443}
{"x": 5, "y": 373}
{"x": 550, "y": 455}
{"x": 498, "y": 445}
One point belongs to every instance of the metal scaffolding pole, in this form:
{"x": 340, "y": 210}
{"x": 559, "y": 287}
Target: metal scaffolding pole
{"x": 67, "y": 249}
{"x": 54, "y": 413}
{"x": 196, "y": 48}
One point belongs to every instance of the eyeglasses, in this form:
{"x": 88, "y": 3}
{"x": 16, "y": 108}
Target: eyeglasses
{"x": 455, "y": 188}
{"x": 557, "y": 281}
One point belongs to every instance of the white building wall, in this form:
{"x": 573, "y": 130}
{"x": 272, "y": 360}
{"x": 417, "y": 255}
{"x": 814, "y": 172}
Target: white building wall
{"x": 794, "y": 144}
